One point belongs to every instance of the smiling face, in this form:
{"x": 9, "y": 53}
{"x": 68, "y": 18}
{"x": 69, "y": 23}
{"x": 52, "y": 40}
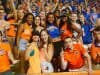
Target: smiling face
{"x": 2, "y": 14}
{"x": 50, "y": 18}
{"x": 35, "y": 38}
{"x": 20, "y": 14}
{"x": 44, "y": 36}
{"x": 37, "y": 21}
{"x": 81, "y": 18}
{"x": 29, "y": 19}
{"x": 57, "y": 13}
{"x": 33, "y": 8}
{"x": 42, "y": 15}
{"x": 64, "y": 19}
{"x": 47, "y": 9}
{"x": 73, "y": 17}
{"x": 68, "y": 43}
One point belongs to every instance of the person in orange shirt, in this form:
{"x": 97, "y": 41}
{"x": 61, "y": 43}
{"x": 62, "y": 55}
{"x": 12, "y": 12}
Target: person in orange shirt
{"x": 11, "y": 18}
{"x": 11, "y": 35}
{"x": 95, "y": 49}
{"x": 23, "y": 38}
{"x": 5, "y": 55}
{"x": 72, "y": 56}
{"x": 65, "y": 28}
{"x": 25, "y": 31}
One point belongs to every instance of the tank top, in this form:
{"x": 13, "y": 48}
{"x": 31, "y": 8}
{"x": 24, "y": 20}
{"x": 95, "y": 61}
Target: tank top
{"x": 26, "y": 34}
{"x": 53, "y": 31}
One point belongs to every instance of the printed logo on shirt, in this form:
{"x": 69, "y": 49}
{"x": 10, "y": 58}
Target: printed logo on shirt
{"x": 26, "y": 31}
{"x": 51, "y": 28}
{"x": 76, "y": 52}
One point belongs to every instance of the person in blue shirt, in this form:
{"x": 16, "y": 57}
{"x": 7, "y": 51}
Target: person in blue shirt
{"x": 87, "y": 15}
{"x": 54, "y": 32}
{"x": 94, "y": 15}
{"x": 80, "y": 1}
{"x": 73, "y": 7}
{"x": 87, "y": 34}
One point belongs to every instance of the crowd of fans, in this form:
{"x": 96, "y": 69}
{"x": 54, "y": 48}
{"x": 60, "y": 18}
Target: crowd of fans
{"x": 46, "y": 36}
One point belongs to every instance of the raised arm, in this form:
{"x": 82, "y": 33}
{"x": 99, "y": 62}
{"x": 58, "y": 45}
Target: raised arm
{"x": 14, "y": 9}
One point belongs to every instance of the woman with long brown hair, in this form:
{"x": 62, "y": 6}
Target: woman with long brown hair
{"x": 46, "y": 52}
{"x": 54, "y": 32}
{"x": 24, "y": 35}
{"x": 37, "y": 23}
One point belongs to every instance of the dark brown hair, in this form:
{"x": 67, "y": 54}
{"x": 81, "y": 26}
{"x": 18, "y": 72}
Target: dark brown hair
{"x": 54, "y": 22}
{"x": 49, "y": 39}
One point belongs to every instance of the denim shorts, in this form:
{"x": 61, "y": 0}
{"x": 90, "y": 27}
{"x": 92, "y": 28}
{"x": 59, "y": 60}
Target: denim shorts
{"x": 8, "y": 72}
{"x": 23, "y": 44}
{"x": 47, "y": 67}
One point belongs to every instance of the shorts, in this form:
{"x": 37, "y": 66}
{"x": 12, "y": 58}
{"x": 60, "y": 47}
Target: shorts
{"x": 23, "y": 44}
{"x": 8, "y": 72}
{"x": 47, "y": 67}
{"x": 87, "y": 46}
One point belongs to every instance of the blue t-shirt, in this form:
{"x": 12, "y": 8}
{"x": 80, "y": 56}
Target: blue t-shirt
{"x": 53, "y": 31}
{"x": 73, "y": 8}
{"x": 98, "y": 15}
{"x": 87, "y": 34}
{"x": 62, "y": 1}
{"x": 80, "y": 1}
{"x": 87, "y": 17}
{"x": 94, "y": 17}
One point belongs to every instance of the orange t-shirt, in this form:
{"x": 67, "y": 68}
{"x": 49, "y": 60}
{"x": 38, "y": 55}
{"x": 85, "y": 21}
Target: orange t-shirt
{"x": 11, "y": 32}
{"x": 66, "y": 32}
{"x": 74, "y": 57}
{"x": 26, "y": 34}
{"x": 94, "y": 52}
{"x": 4, "y": 60}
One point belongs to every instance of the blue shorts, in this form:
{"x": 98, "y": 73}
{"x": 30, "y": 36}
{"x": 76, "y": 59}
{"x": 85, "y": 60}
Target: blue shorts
{"x": 8, "y": 72}
{"x": 23, "y": 44}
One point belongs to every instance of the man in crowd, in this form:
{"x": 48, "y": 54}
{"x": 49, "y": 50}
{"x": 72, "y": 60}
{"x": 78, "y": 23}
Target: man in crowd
{"x": 72, "y": 56}
{"x": 5, "y": 55}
